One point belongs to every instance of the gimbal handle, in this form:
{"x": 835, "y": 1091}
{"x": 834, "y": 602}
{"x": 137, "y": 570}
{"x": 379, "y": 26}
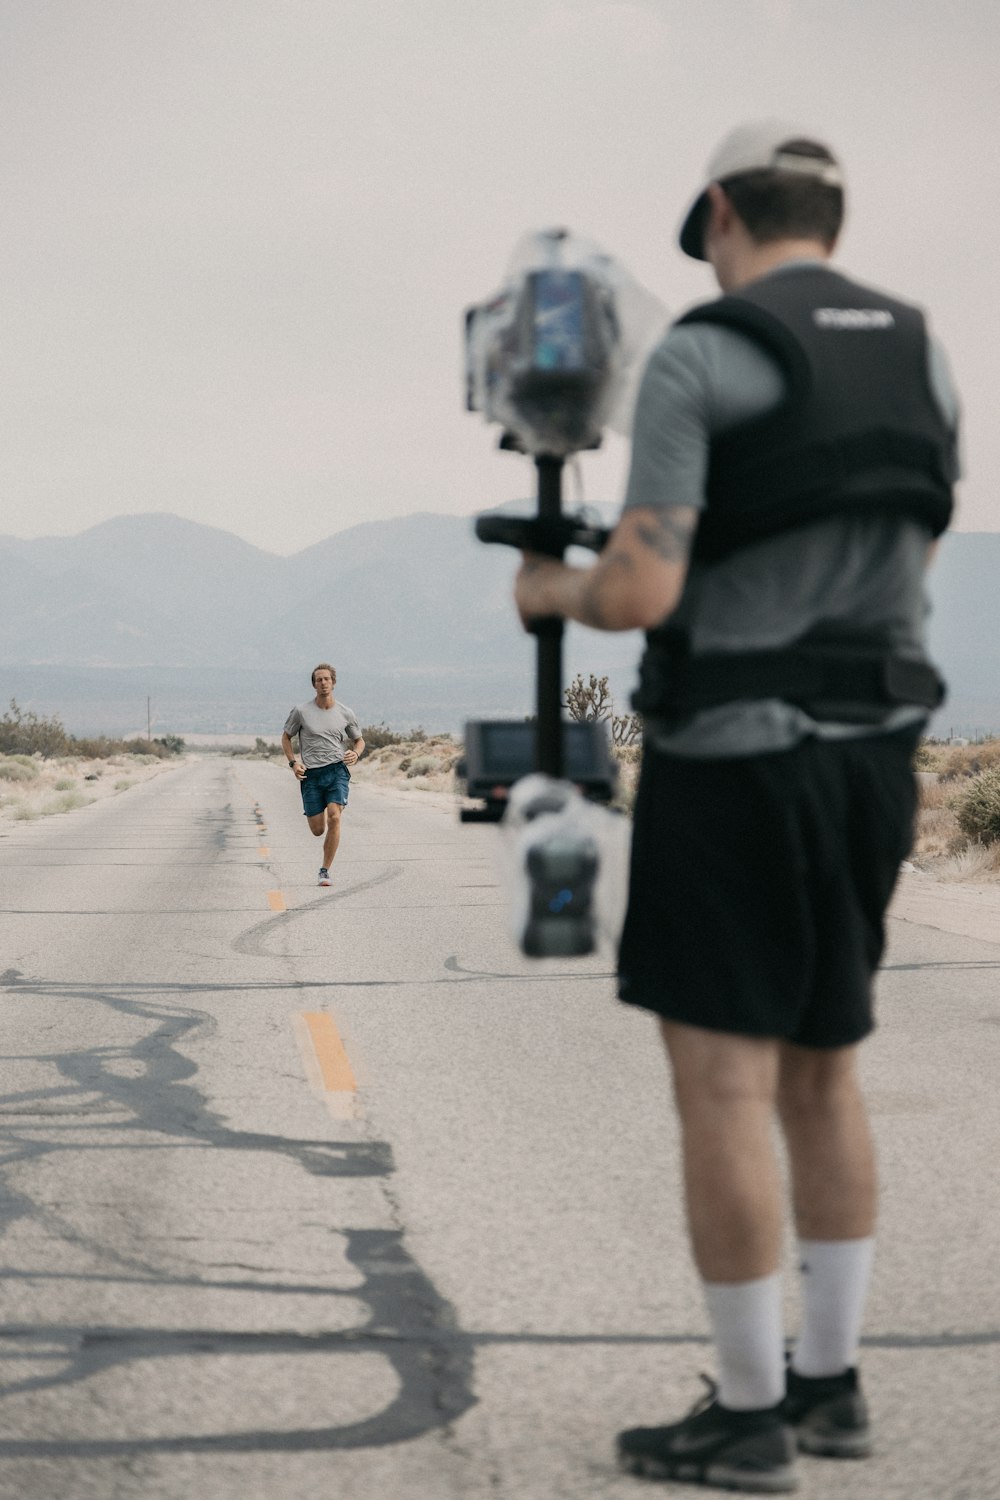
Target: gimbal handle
{"x": 549, "y": 536}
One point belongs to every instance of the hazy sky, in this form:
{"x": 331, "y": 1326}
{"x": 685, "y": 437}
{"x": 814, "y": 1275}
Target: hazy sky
{"x": 238, "y": 235}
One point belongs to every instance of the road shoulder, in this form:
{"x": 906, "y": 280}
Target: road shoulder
{"x": 968, "y": 910}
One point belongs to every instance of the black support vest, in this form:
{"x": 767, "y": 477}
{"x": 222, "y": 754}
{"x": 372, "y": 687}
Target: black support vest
{"x": 859, "y": 430}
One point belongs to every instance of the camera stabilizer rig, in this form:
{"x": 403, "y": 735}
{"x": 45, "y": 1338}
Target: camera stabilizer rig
{"x": 548, "y": 358}
{"x": 559, "y": 860}
{"x": 498, "y": 752}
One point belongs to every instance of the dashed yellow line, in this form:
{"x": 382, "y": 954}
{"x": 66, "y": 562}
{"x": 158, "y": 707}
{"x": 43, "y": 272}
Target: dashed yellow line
{"x": 334, "y": 1067}
{"x": 276, "y": 901}
{"x": 263, "y": 851}
{"x": 327, "y": 1065}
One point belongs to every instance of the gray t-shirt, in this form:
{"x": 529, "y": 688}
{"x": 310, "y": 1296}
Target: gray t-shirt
{"x": 324, "y": 733}
{"x": 866, "y": 571}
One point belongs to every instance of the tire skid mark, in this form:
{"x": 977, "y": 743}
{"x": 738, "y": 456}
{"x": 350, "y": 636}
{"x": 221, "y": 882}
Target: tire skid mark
{"x": 253, "y": 942}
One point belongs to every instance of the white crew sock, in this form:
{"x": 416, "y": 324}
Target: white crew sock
{"x": 746, "y": 1318}
{"x": 835, "y": 1277}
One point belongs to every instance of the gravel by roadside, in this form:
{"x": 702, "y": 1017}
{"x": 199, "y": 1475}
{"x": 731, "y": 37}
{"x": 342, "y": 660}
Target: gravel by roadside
{"x": 966, "y": 909}
{"x": 47, "y": 788}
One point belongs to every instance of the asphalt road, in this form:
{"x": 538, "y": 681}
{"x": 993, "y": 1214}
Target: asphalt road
{"x": 329, "y": 1192}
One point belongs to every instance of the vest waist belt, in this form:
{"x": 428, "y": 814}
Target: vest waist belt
{"x": 824, "y": 681}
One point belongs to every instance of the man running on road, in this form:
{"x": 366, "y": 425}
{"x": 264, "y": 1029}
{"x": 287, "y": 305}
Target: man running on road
{"x": 324, "y": 727}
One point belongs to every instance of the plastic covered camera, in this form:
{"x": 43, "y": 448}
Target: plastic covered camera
{"x": 555, "y": 356}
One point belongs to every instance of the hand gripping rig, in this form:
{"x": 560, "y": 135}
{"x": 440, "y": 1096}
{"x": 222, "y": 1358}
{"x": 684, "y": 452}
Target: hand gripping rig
{"x": 498, "y": 752}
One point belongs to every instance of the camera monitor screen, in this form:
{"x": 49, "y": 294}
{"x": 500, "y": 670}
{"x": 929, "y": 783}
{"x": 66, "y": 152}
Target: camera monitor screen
{"x": 499, "y": 751}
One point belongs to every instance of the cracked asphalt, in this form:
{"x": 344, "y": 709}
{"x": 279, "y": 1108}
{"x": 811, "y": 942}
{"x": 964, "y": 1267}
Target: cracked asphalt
{"x": 460, "y": 1275}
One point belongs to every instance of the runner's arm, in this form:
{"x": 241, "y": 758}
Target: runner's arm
{"x": 294, "y": 758}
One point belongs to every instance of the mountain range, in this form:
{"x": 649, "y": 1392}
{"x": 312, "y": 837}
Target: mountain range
{"x": 415, "y": 614}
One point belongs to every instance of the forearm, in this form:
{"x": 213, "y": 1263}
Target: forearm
{"x": 635, "y": 582}
{"x": 596, "y": 596}
{"x": 287, "y": 746}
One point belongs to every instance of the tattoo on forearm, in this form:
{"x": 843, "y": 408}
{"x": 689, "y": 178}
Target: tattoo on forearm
{"x": 668, "y": 533}
{"x": 593, "y": 611}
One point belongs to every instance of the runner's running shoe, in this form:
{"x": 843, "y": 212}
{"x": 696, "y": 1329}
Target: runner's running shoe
{"x": 829, "y": 1414}
{"x": 324, "y": 876}
{"x": 752, "y": 1451}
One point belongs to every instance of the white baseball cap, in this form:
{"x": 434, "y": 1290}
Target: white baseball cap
{"x": 763, "y": 146}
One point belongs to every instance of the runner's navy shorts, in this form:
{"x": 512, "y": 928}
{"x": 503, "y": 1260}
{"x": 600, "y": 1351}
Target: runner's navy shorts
{"x": 323, "y": 785}
{"x": 759, "y": 886}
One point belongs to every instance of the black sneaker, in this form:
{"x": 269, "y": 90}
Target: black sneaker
{"x": 829, "y": 1414}
{"x": 751, "y": 1451}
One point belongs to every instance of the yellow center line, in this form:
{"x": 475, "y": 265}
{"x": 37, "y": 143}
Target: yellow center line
{"x": 335, "y": 1070}
{"x": 276, "y": 901}
{"x": 263, "y": 851}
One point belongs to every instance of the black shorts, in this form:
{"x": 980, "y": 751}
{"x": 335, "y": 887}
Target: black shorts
{"x": 759, "y": 886}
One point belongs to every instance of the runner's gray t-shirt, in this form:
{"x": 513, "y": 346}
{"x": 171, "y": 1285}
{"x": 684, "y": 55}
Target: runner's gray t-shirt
{"x": 866, "y": 571}
{"x": 324, "y": 733}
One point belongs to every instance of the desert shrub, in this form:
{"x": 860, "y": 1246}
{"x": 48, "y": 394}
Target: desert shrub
{"x": 421, "y": 766}
{"x": 64, "y": 784}
{"x": 937, "y": 824}
{"x": 974, "y": 862}
{"x": 145, "y": 750}
{"x": 933, "y": 792}
{"x": 587, "y": 701}
{"x": 65, "y": 802}
{"x": 23, "y": 812}
{"x": 261, "y": 749}
{"x": 17, "y": 769}
{"x": 377, "y": 736}
{"x": 953, "y": 762}
{"x": 977, "y": 807}
{"x": 592, "y": 700}
{"x": 103, "y": 747}
{"x": 23, "y": 731}
{"x": 929, "y": 757}
{"x": 123, "y": 786}
{"x": 95, "y": 747}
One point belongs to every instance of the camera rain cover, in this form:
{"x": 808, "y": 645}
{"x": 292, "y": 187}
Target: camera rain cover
{"x": 556, "y": 354}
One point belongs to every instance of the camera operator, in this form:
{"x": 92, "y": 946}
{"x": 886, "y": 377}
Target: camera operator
{"x": 793, "y": 458}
